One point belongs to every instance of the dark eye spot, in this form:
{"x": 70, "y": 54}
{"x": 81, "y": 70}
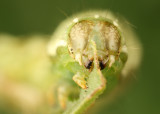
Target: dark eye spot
{"x": 89, "y": 64}
{"x": 101, "y": 65}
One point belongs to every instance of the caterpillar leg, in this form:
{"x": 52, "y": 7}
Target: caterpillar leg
{"x": 66, "y": 92}
{"x": 80, "y": 80}
{"x": 63, "y": 96}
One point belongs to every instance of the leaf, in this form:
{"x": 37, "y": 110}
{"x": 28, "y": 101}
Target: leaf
{"x": 96, "y": 84}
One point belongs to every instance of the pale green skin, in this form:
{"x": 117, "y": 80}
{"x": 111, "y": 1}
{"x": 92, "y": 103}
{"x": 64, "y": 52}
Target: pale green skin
{"x": 65, "y": 67}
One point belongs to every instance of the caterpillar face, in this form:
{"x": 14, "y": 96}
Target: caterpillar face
{"x": 96, "y": 40}
{"x": 106, "y": 37}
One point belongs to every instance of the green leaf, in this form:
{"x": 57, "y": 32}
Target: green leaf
{"x": 96, "y": 84}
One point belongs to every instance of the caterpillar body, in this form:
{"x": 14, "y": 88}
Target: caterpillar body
{"x": 87, "y": 49}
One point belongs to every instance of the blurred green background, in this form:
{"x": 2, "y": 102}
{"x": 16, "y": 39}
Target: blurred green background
{"x": 27, "y": 17}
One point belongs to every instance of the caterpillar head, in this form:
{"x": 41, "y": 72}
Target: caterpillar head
{"x": 106, "y": 37}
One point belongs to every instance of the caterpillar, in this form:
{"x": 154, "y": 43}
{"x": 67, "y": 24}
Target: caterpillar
{"x": 88, "y": 51}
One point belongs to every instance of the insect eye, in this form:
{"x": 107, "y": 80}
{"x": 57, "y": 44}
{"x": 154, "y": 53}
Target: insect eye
{"x": 89, "y": 64}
